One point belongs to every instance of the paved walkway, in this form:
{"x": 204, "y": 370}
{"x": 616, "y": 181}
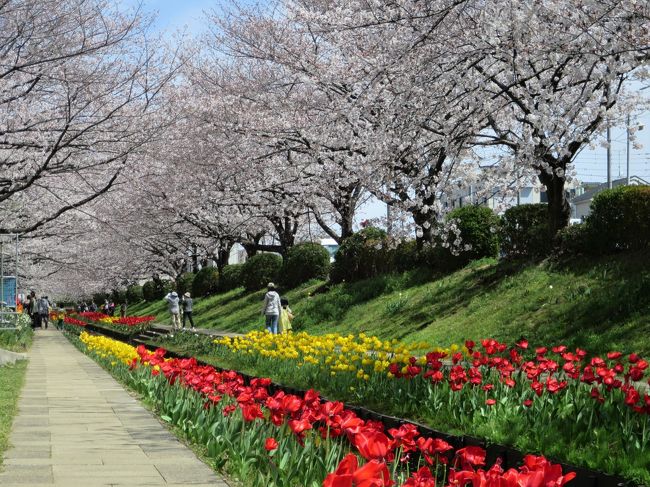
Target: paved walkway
{"x": 77, "y": 426}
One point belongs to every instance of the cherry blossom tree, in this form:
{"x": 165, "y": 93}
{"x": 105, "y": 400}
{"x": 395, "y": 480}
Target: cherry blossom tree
{"x": 561, "y": 66}
{"x": 78, "y": 81}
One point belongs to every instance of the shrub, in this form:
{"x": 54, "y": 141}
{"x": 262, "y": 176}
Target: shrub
{"x": 149, "y": 291}
{"x": 478, "y": 227}
{"x": 524, "y": 231}
{"x": 573, "y": 240}
{"x": 231, "y": 277}
{"x": 305, "y": 261}
{"x": 261, "y": 269}
{"x": 99, "y": 298}
{"x": 619, "y": 220}
{"x": 362, "y": 255}
{"x": 205, "y": 282}
{"x": 184, "y": 283}
{"x": 406, "y": 256}
{"x": 134, "y": 293}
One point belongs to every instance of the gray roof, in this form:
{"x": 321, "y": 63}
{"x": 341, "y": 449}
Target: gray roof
{"x": 588, "y": 195}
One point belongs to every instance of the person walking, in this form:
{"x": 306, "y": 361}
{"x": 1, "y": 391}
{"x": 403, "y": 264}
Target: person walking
{"x": 123, "y": 310}
{"x": 172, "y": 302}
{"x": 187, "y": 309}
{"x": 271, "y": 309}
{"x": 286, "y": 317}
{"x": 32, "y": 310}
{"x": 44, "y": 310}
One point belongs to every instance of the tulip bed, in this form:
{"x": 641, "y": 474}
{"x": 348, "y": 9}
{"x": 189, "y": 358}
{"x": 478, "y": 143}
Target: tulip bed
{"x": 129, "y": 325}
{"x": 270, "y": 438}
{"x": 548, "y": 399}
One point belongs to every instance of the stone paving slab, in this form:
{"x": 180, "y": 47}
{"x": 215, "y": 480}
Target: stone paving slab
{"x": 77, "y": 426}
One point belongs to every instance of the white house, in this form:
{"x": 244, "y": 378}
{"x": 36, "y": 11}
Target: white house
{"x": 581, "y": 205}
{"x": 499, "y": 201}
{"x": 237, "y": 254}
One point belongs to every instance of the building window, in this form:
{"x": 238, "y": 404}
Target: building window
{"x": 543, "y": 197}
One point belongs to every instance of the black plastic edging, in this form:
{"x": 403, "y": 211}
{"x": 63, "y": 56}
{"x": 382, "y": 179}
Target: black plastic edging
{"x": 510, "y": 457}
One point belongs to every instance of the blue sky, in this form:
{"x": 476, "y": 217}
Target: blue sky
{"x": 172, "y": 15}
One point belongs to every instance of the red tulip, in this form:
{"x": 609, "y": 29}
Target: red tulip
{"x": 270, "y": 444}
{"x": 433, "y": 449}
{"x": 405, "y": 436}
{"x": 471, "y": 456}
{"x": 251, "y": 412}
{"x": 421, "y": 478}
{"x": 348, "y": 474}
{"x": 373, "y": 445}
{"x": 298, "y": 426}
{"x": 523, "y": 344}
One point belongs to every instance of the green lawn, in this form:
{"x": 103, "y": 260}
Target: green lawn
{"x": 597, "y": 304}
{"x": 12, "y": 378}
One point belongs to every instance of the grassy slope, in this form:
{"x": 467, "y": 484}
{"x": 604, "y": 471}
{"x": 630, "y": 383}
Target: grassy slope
{"x": 598, "y": 304}
{"x": 11, "y": 382}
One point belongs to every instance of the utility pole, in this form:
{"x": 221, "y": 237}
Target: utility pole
{"x": 627, "y": 152}
{"x": 609, "y": 158}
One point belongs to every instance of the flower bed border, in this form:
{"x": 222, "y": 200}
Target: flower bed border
{"x": 511, "y": 457}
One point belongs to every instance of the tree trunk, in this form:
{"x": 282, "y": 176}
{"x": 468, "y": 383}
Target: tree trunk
{"x": 195, "y": 259}
{"x": 420, "y": 220}
{"x": 223, "y": 254}
{"x": 250, "y": 248}
{"x": 559, "y": 211}
{"x": 346, "y": 222}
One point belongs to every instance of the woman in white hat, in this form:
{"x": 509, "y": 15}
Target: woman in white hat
{"x": 187, "y": 309}
{"x": 172, "y": 302}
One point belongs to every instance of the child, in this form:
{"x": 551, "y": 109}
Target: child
{"x": 286, "y": 316}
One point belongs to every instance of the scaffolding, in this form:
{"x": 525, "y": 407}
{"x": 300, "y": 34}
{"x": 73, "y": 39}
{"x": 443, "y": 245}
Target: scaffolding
{"x": 8, "y": 281}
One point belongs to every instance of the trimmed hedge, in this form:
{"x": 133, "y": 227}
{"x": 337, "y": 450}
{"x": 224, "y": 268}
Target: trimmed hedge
{"x": 231, "y": 277}
{"x": 184, "y": 283}
{"x": 479, "y": 228}
{"x": 620, "y": 220}
{"x": 305, "y": 261}
{"x": 524, "y": 231}
{"x": 148, "y": 291}
{"x": 261, "y": 269}
{"x": 205, "y": 282}
{"x": 362, "y": 255}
